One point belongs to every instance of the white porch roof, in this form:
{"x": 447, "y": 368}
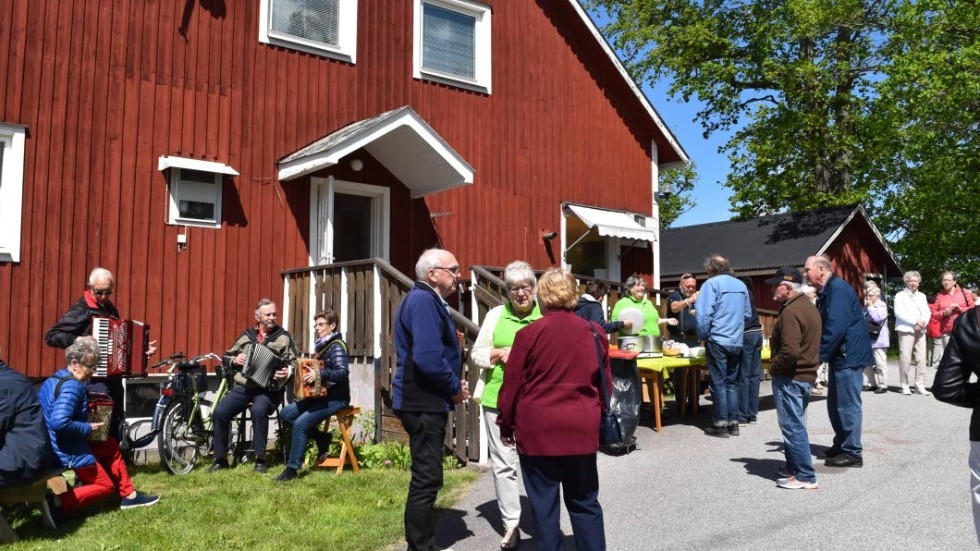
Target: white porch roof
{"x": 612, "y": 223}
{"x": 400, "y": 140}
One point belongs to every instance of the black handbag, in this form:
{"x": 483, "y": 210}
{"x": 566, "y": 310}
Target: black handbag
{"x": 610, "y": 433}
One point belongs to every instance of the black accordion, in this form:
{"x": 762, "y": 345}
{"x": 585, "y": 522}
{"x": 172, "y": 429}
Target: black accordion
{"x": 261, "y": 364}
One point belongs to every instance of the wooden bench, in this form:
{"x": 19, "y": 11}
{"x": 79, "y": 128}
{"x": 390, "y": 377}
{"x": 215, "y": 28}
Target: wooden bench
{"x": 30, "y": 493}
{"x": 345, "y": 420}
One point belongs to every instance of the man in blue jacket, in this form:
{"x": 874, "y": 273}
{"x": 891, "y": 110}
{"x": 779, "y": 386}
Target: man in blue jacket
{"x": 426, "y": 385}
{"x": 846, "y": 346}
{"x": 722, "y": 309}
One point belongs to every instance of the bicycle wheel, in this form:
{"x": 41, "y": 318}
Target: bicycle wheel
{"x": 181, "y": 444}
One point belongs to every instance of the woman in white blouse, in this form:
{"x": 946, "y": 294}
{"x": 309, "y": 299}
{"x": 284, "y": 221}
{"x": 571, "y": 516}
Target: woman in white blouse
{"x": 911, "y": 319}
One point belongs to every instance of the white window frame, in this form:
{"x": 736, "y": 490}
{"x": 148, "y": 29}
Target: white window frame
{"x": 175, "y": 196}
{"x": 13, "y": 138}
{"x": 346, "y": 49}
{"x": 481, "y": 82}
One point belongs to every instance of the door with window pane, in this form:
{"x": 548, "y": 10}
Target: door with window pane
{"x": 351, "y": 222}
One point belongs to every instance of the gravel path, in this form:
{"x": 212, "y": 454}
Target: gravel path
{"x": 683, "y": 490}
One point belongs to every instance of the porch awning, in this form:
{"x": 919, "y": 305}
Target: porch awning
{"x": 166, "y": 162}
{"x": 400, "y": 140}
{"x": 612, "y": 223}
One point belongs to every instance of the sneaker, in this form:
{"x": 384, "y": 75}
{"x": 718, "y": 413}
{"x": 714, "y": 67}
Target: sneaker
{"x": 783, "y": 472}
{"x": 881, "y": 389}
{"x": 720, "y": 432}
{"x": 742, "y": 422}
{"x": 791, "y": 483}
{"x": 866, "y": 388}
{"x": 141, "y": 500}
{"x": 752, "y": 420}
{"x": 50, "y": 511}
{"x": 733, "y": 429}
{"x": 217, "y": 466}
{"x": 260, "y": 467}
{"x": 286, "y": 475}
{"x": 921, "y": 390}
{"x": 906, "y": 391}
{"x": 511, "y": 539}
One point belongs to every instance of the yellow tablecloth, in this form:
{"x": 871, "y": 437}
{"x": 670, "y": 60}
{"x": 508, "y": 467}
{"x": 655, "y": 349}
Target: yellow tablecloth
{"x": 668, "y": 362}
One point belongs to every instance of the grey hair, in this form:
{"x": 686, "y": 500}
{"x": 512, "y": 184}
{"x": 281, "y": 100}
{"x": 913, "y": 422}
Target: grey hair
{"x": 519, "y": 271}
{"x": 263, "y": 302}
{"x": 84, "y": 348}
{"x": 795, "y": 287}
{"x": 822, "y": 260}
{"x": 870, "y": 291}
{"x": 717, "y": 264}
{"x": 807, "y": 289}
{"x": 429, "y": 260}
{"x": 633, "y": 281}
{"x": 947, "y": 273}
{"x": 911, "y": 274}
{"x": 100, "y": 272}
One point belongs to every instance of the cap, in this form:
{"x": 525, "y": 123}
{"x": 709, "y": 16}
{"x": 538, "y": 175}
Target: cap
{"x": 786, "y": 274}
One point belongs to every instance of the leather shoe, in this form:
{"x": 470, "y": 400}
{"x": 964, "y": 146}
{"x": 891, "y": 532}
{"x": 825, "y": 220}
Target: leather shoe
{"x": 217, "y": 466}
{"x": 260, "y": 467}
{"x": 831, "y": 452}
{"x": 720, "y": 432}
{"x": 881, "y": 389}
{"x": 845, "y": 460}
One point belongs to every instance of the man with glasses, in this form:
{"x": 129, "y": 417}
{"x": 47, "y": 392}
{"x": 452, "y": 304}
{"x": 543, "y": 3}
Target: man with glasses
{"x": 427, "y": 385}
{"x": 77, "y": 322}
{"x": 681, "y": 303}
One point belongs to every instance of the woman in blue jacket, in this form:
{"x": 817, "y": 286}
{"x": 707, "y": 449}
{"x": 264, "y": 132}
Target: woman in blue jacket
{"x": 305, "y": 415}
{"x": 99, "y": 465}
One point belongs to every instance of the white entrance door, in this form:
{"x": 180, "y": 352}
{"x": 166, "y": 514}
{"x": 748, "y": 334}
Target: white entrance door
{"x": 348, "y": 221}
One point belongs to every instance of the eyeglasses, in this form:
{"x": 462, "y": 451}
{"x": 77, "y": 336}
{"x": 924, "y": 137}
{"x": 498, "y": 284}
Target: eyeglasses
{"x": 102, "y": 292}
{"x": 451, "y": 269}
{"x": 519, "y": 290}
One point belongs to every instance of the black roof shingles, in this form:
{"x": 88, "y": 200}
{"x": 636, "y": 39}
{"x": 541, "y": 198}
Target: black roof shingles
{"x": 755, "y": 244}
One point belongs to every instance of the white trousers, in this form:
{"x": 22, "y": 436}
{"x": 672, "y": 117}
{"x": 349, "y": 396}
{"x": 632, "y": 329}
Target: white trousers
{"x": 505, "y": 463}
{"x": 975, "y": 485}
{"x": 909, "y": 345}
{"x": 938, "y": 345}
{"x": 878, "y": 373}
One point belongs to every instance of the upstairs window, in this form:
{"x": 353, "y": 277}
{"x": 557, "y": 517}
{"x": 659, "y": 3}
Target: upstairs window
{"x": 452, "y": 43}
{"x": 12, "y": 143}
{"x": 321, "y": 27}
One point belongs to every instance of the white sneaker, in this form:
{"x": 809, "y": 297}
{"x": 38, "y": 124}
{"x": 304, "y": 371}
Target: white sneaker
{"x": 511, "y": 539}
{"x": 906, "y": 391}
{"x": 921, "y": 390}
{"x": 792, "y": 483}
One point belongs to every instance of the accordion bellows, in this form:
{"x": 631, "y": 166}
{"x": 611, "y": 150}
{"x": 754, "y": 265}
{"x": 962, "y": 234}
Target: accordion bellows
{"x": 261, "y": 364}
{"x": 99, "y": 411}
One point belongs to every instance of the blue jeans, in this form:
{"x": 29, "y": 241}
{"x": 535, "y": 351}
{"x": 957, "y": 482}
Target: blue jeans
{"x": 791, "y": 399}
{"x": 304, "y": 416}
{"x": 748, "y": 383}
{"x": 723, "y": 367}
{"x": 844, "y": 407}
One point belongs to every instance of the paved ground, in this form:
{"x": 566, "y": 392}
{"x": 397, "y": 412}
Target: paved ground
{"x": 684, "y": 490}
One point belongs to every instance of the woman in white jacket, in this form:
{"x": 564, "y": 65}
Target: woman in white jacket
{"x": 911, "y": 320}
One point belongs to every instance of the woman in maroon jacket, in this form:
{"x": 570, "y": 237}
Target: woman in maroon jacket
{"x": 549, "y": 404}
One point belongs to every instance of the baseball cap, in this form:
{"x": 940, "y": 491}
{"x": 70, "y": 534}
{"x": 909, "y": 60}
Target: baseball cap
{"x": 786, "y": 274}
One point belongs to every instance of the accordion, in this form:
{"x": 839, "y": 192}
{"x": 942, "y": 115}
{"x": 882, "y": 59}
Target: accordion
{"x": 304, "y": 390}
{"x": 100, "y": 411}
{"x": 261, "y": 364}
{"x": 122, "y": 347}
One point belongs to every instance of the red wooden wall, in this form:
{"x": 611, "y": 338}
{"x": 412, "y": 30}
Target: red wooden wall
{"x": 106, "y": 88}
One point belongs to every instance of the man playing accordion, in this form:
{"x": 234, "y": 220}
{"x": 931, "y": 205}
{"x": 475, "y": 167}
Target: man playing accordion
{"x": 262, "y": 392}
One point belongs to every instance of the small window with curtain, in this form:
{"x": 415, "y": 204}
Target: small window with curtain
{"x": 452, "y": 43}
{"x": 321, "y": 27}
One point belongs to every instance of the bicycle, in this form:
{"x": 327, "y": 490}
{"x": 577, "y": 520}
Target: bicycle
{"x": 186, "y": 416}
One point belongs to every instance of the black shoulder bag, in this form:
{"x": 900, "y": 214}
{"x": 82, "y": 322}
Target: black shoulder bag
{"x": 610, "y": 433}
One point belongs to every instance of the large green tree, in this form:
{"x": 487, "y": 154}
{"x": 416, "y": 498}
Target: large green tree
{"x": 829, "y": 102}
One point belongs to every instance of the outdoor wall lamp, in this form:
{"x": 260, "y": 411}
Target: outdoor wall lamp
{"x": 548, "y": 235}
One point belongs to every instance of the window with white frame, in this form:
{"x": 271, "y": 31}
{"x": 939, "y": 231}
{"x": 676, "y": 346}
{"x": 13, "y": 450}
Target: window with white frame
{"x": 452, "y": 43}
{"x": 195, "y": 197}
{"x": 321, "y": 27}
{"x": 12, "y": 143}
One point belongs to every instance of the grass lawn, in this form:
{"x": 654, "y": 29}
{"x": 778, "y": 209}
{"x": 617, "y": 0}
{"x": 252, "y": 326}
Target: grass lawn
{"x": 239, "y": 509}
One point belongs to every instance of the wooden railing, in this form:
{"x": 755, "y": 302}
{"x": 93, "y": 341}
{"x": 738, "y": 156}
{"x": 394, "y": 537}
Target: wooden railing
{"x": 365, "y": 295}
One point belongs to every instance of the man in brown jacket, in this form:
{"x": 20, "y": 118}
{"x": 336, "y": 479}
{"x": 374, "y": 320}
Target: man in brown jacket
{"x": 795, "y": 345}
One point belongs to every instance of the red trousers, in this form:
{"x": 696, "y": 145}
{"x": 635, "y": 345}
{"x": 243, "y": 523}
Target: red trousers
{"x": 107, "y": 475}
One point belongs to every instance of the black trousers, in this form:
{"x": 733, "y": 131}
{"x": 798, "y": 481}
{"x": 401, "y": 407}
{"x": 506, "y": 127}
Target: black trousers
{"x": 426, "y": 434}
{"x": 578, "y": 479}
{"x": 263, "y": 403}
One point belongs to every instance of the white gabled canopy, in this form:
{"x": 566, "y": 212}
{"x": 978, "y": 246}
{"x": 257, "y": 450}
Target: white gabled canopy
{"x": 195, "y": 164}
{"x": 400, "y": 140}
{"x": 612, "y": 223}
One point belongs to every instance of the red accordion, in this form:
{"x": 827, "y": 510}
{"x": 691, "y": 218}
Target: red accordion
{"x": 122, "y": 347}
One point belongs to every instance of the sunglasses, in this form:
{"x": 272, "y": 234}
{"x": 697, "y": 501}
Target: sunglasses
{"x": 102, "y": 292}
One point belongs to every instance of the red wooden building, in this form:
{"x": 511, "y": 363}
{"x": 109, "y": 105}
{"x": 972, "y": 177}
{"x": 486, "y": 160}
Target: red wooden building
{"x": 198, "y": 149}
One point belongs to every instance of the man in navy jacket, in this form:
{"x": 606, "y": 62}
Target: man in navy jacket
{"x": 23, "y": 437}
{"x": 846, "y": 346}
{"x": 426, "y": 385}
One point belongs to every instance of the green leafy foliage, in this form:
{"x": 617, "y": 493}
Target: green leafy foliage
{"x": 681, "y": 183}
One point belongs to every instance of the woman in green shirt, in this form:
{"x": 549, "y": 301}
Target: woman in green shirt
{"x": 635, "y": 297}
{"x": 490, "y": 352}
